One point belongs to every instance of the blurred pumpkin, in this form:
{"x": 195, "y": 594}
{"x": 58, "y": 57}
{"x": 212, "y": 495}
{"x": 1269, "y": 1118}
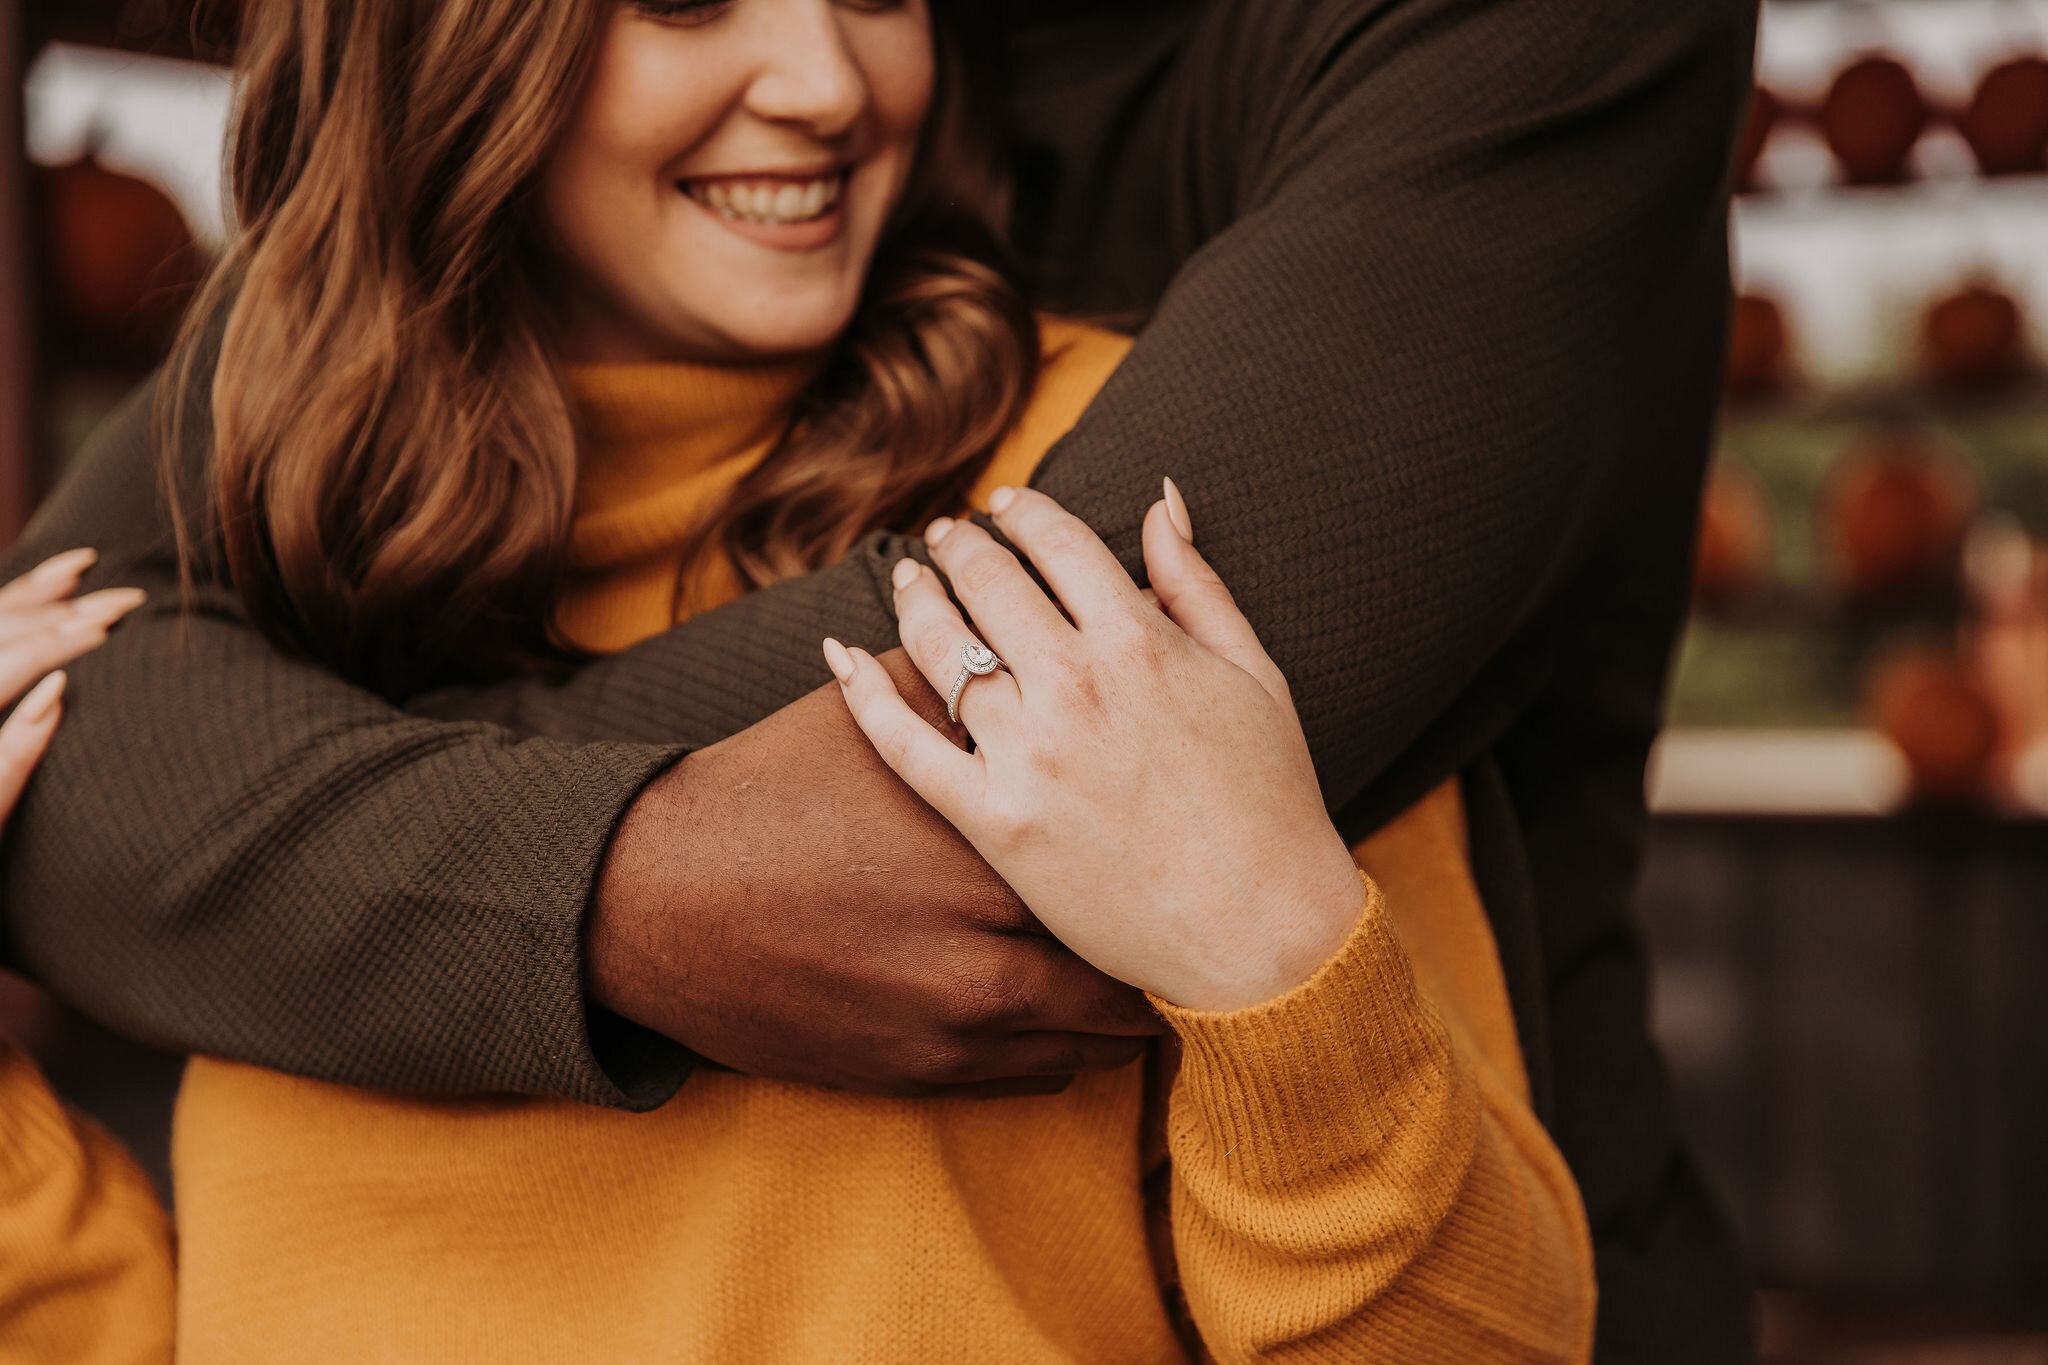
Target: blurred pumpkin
{"x": 122, "y": 261}
{"x": 1872, "y": 117}
{"x": 1756, "y": 346}
{"x": 1732, "y": 557}
{"x": 2006, "y": 644}
{"x": 1931, "y": 706}
{"x": 2006, "y": 124}
{"x": 1972, "y": 338}
{"x": 1893, "y": 513}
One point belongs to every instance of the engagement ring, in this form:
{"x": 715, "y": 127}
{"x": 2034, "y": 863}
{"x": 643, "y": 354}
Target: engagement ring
{"x": 976, "y": 661}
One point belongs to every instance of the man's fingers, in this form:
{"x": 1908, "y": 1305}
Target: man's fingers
{"x": 1031, "y": 1063}
{"x": 1051, "y": 990}
{"x": 1197, "y": 601}
{"x": 1064, "y": 1054}
{"x": 926, "y": 760}
{"x": 1066, "y": 552}
{"x": 933, "y": 633}
{"x": 1018, "y": 1088}
{"x": 25, "y": 736}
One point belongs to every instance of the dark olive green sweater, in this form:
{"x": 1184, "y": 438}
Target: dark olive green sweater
{"x": 1435, "y": 295}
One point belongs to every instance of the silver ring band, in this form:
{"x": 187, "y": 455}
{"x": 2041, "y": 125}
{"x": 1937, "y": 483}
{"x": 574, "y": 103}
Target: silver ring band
{"x": 976, "y": 661}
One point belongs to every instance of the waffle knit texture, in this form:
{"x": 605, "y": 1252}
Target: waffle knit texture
{"x": 1433, "y": 296}
{"x": 1356, "y": 1175}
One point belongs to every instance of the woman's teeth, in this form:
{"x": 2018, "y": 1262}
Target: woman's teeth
{"x": 769, "y": 201}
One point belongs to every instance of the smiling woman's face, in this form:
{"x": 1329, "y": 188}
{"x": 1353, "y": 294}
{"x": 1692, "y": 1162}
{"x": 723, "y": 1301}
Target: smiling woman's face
{"x": 719, "y": 191}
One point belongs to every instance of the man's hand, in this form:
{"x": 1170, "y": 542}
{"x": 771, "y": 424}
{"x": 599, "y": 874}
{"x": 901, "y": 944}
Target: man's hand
{"x": 781, "y": 904}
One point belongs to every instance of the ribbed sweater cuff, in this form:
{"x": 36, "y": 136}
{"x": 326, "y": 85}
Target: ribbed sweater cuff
{"x": 613, "y": 1062}
{"x": 1283, "y": 1091}
{"x": 47, "y": 1151}
{"x": 36, "y": 1135}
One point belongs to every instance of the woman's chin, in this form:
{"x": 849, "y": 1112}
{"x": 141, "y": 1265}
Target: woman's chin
{"x": 767, "y": 336}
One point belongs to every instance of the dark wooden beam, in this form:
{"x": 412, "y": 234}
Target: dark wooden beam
{"x": 172, "y": 28}
{"x": 17, "y": 339}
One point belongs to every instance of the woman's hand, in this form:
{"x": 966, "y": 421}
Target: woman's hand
{"x": 1140, "y": 778}
{"x": 41, "y": 629}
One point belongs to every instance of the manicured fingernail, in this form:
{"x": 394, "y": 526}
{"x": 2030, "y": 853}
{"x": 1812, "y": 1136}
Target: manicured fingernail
{"x": 105, "y": 608}
{"x": 838, "y": 660}
{"x": 62, "y": 568}
{"x": 904, "y": 574}
{"x": 36, "y": 706}
{"x": 938, "y": 530}
{"x": 1000, "y": 500}
{"x": 1177, "y": 513}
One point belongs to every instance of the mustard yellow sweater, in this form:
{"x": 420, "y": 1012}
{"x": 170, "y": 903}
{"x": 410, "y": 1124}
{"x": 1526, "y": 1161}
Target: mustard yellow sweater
{"x": 1355, "y": 1172}
{"x": 85, "y": 1252}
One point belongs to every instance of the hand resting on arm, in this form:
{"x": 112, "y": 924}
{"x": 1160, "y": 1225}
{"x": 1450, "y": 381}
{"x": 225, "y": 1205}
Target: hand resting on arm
{"x": 1357, "y": 1173}
{"x": 1141, "y": 781}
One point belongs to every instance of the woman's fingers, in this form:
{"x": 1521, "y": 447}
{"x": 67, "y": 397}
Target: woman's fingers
{"x": 1194, "y": 597}
{"x": 24, "y": 738}
{"x": 929, "y": 763}
{"x": 1011, "y": 612}
{"x": 35, "y": 641}
{"x": 1066, "y": 552}
{"x": 933, "y": 632}
{"x": 50, "y": 580}
{"x": 90, "y": 615}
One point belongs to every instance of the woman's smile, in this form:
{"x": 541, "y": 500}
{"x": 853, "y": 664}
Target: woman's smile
{"x": 790, "y": 211}
{"x": 723, "y": 184}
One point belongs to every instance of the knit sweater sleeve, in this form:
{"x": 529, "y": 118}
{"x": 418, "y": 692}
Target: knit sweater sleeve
{"x": 231, "y": 850}
{"x": 1354, "y": 1180}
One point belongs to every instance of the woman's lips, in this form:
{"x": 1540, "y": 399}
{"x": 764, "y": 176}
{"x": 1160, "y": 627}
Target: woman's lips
{"x": 792, "y": 212}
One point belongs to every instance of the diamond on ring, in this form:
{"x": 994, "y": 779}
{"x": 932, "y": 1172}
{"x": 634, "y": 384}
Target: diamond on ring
{"x": 976, "y": 661}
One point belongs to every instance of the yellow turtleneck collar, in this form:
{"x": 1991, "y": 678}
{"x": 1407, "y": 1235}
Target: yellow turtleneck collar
{"x": 659, "y": 444}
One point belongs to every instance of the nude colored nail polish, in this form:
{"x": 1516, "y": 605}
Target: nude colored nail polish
{"x": 104, "y": 608}
{"x": 904, "y": 574}
{"x": 938, "y": 530}
{"x": 1000, "y": 500}
{"x": 70, "y": 564}
{"x": 838, "y": 660}
{"x": 1177, "y": 513}
{"x": 36, "y": 706}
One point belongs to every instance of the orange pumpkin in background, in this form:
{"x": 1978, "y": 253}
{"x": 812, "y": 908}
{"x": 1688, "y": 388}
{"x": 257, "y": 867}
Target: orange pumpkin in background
{"x": 1732, "y": 556}
{"x": 1892, "y": 517}
{"x": 1973, "y": 338}
{"x": 1872, "y": 117}
{"x": 121, "y": 260}
{"x": 1935, "y": 710}
{"x": 1756, "y": 347}
{"x": 2006, "y": 124}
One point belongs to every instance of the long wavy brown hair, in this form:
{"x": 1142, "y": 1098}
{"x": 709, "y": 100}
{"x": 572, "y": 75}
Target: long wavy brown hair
{"x": 394, "y": 464}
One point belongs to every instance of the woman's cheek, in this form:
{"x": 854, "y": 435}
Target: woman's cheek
{"x": 894, "y": 51}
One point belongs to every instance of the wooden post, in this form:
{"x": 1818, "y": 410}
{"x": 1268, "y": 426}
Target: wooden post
{"x": 17, "y": 316}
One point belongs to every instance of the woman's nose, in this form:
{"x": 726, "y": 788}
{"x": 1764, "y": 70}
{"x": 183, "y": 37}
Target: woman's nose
{"x": 808, "y": 75}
